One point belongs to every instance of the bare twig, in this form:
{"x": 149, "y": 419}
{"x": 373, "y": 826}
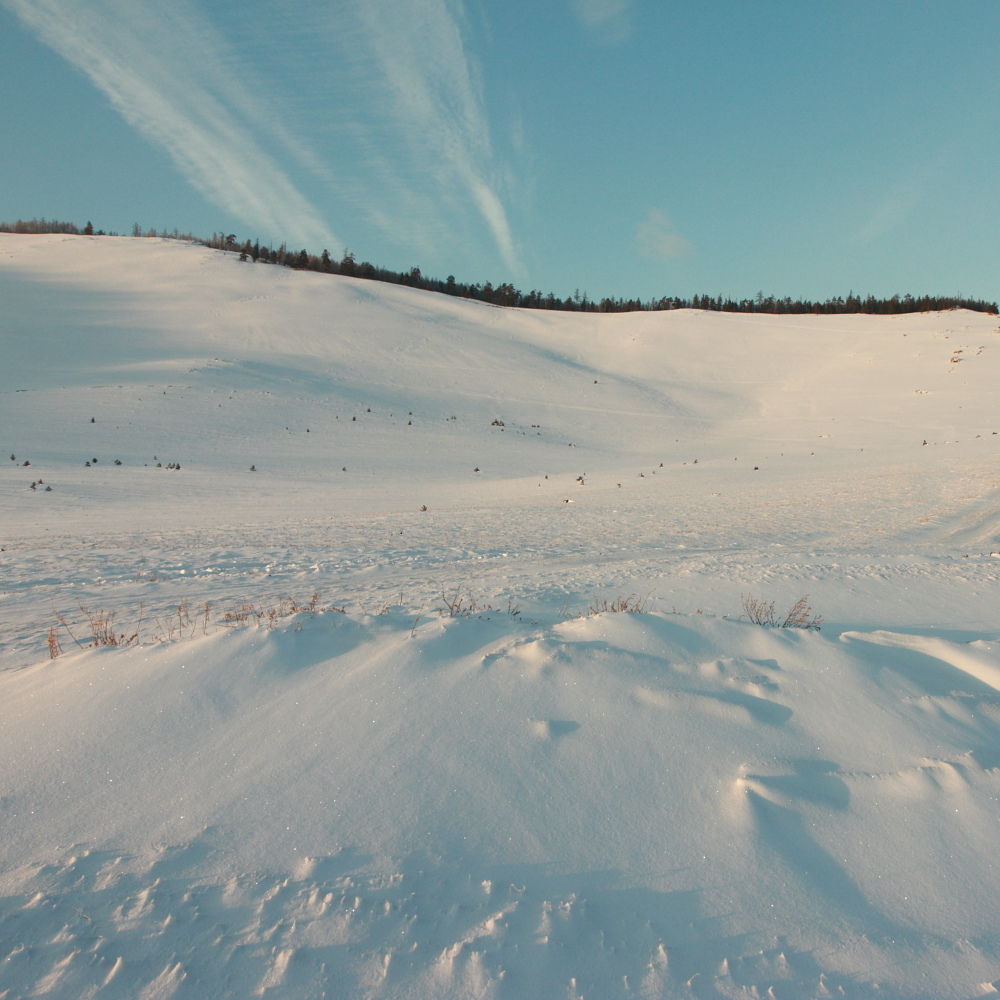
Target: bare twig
{"x": 801, "y": 616}
{"x": 761, "y": 612}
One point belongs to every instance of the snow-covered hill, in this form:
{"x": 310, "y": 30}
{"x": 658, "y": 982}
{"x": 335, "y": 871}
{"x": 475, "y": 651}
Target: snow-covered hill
{"x": 511, "y": 797}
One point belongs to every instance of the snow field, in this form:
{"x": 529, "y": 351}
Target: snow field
{"x": 386, "y": 801}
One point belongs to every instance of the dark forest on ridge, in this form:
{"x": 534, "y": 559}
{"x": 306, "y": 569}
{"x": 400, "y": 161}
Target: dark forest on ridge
{"x": 507, "y": 295}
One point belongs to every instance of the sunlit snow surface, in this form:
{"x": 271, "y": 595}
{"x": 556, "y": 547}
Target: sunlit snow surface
{"x": 388, "y": 801}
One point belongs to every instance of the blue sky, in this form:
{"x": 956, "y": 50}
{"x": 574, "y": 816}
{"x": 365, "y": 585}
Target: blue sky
{"x": 621, "y": 147}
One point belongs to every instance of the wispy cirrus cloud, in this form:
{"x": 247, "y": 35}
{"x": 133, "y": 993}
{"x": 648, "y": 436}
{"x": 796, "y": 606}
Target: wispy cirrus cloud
{"x": 167, "y": 71}
{"x": 435, "y": 101}
{"x": 904, "y": 198}
{"x": 391, "y": 117}
{"x": 608, "y": 16}
{"x": 656, "y": 237}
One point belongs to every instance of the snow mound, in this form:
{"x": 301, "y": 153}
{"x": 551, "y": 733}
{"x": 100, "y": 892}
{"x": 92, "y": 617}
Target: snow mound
{"x": 475, "y": 807}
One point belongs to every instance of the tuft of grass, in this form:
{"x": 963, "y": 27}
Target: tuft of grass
{"x": 632, "y": 603}
{"x": 762, "y": 612}
{"x": 247, "y": 613}
{"x": 758, "y": 611}
{"x": 242, "y": 614}
{"x": 104, "y": 631}
{"x": 800, "y": 615}
{"x": 182, "y": 624}
{"x": 465, "y": 606}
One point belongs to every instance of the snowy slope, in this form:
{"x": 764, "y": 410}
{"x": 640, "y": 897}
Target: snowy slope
{"x": 383, "y": 799}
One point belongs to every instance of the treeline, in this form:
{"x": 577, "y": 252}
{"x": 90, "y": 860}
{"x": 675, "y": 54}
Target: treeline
{"x": 852, "y": 304}
{"x": 35, "y": 226}
{"x": 507, "y": 295}
{"x": 43, "y": 225}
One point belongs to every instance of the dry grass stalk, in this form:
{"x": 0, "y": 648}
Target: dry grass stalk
{"x": 633, "y": 604}
{"x": 416, "y": 621}
{"x": 801, "y": 616}
{"x": 181, "y": 625}
{"x": 242, "y": 614}
{"x": 247, "y": 613}
{"x": 104, "y": 631}
{"x": 65, "y": 624}
{"x": 761, "y": 612}
{"x": 465, "y": 606}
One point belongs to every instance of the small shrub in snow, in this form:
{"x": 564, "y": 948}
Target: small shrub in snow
{"x": 762, "y": 612}
{"x": 758, "y": 611}
{"x": 801, "y": 616}
{"x": 246, "y": 613}
{"x": 184, "y": 627}
{"x": 103, "y": 630}
{"x": 633, "y": 604}
{"x": 465, "y": 606}
{"x": 183, "y": 624}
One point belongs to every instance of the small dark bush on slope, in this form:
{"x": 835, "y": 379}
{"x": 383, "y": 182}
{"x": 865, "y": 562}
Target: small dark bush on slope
{"x": 762, "y": 612}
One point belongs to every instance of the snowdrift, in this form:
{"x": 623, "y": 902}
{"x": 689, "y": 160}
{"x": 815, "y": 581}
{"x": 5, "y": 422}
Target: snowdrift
{"x": 448, "y": 776}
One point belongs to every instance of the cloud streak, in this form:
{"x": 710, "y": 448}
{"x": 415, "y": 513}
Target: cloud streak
{"x": 393, "y": 100}
{"x": 436, "y": 104}
{"x": 166, "y": 70}
{"x": 657, "y": 238}
{"x": 904, "y": 199}
{"x": 607, "y": 16}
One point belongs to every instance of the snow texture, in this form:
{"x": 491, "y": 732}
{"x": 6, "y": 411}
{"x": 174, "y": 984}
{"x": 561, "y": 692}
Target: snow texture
{"x": 446, "y": 777}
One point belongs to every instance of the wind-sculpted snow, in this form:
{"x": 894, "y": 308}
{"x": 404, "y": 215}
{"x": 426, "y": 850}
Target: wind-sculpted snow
{"x": 444, "y": 775}
{"x": 658, "y": 804}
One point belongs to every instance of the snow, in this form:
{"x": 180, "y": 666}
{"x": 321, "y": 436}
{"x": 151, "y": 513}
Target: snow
{"x": 378, "y": 798}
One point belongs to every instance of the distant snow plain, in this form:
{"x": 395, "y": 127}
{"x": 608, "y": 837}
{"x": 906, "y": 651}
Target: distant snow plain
{"x": 375, "y": 797}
